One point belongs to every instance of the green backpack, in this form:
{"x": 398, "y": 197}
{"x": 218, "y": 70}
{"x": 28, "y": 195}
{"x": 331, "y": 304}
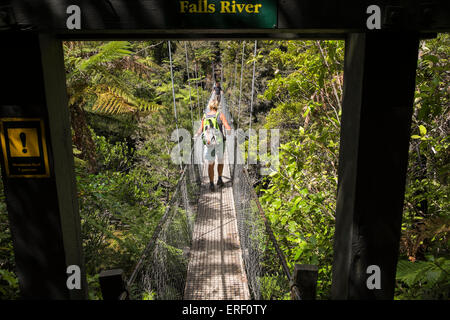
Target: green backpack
{"x": 212, "y": 129}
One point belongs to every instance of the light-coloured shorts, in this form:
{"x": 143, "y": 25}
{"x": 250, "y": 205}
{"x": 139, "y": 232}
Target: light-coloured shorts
{"x": 211, "y": 152}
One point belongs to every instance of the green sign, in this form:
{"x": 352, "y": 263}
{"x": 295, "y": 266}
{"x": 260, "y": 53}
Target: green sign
{"x": 228, "y": 14}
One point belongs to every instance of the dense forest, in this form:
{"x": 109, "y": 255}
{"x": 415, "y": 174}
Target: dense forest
{"x": 122, "y": 117}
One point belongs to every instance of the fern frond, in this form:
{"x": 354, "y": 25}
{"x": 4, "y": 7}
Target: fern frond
{"x": 110, "y": 102}
{"x": 113, "y": 100}
{"x": 138, "y": 66}
{"x": 108, "y": 52}
{"x": 148, "y": 106}
{"x": 409, "y": 272}
{"x": 429, "y": 272}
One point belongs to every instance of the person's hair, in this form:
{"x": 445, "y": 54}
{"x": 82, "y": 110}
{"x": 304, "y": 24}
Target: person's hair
{"x": 213, "y": 104}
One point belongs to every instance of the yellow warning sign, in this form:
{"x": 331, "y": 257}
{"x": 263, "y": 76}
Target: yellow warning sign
{"x": 23, "y": 142}
{"x": 24, "y": 148}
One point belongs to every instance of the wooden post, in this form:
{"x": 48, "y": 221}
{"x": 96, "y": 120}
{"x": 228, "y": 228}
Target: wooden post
{"x": 375, "y": 131}
{"x": 42, "y": 209}
{"x": 113, "y": 285}
{"x": 305, "y": 279}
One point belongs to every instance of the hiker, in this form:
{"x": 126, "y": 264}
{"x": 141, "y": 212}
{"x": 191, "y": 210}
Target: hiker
{"x": 218, "y": 91}
{"x": 212, "y": 135}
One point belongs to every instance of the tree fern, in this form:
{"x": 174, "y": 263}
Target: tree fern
{"x": 425, "y": 276}
{"x": 141, "y": 67}
{"x": 114, "y": 101}
{"x": 412, "y": 272}
{"x": 108, "y": 52}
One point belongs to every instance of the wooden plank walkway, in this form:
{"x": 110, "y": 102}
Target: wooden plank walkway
{"x": 216, "y": 270}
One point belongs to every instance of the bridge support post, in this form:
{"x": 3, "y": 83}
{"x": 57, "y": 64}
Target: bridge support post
{"x": 113, "y": 285}
{"x": 305, "y": 279}
{"x": 375, "y": 132}
{"x": 42, "y": 208}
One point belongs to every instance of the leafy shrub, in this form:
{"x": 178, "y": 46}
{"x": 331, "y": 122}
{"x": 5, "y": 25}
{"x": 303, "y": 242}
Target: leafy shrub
{"x": 424, "y": 279}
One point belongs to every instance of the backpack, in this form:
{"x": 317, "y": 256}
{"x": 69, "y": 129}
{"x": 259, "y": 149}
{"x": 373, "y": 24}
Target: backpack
{"x": 212, "y": 129}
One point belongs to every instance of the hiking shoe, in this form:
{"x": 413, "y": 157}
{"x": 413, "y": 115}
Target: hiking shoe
{"x": 211, "y": 186}
{"x": 220, "y": 182}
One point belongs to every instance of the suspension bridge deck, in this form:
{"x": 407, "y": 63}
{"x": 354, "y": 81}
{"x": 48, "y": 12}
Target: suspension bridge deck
{"x": 216, "y": 270}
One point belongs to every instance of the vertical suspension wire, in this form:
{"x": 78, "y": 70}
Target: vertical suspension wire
{"x": 198, "y": 97}
{"x": 221, "y": 70}
{"x": 174, "y": 103}
{"x": 251, "y": 101}
{"x": 205, "y": 97}
{"x": 189, "y": 83}
{"x": 233, "y": 100}
{"x": 240, "y": 84}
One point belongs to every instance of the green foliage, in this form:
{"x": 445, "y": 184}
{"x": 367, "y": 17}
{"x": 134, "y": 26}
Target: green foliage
{"x": 9, "y": 286}
{"x": 107, "y": 53}
{"x": 115, "y": 156}
{"x": 175, "y": 269}
{"x": 123, "y": 200}
{"x": 94, "y": 287}
{"x": 149, "y": 296}
{"x": 120, "y": 206}
{"x": 108, "y": 78}
{"x": 424, "y": 279}
{"x": 423, "y": 270}
{"x": 273, "y": 287}
{"x": 299, "y": 199}
{"x": 304, "y": 85}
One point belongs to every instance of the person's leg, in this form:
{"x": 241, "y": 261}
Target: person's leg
{"x": 211, "y": 171}
{"x": 210, "y": 158}
{"x": 220, "y": 169}
{"x": 220, "y": 162}
{"x": 211, "y": 176}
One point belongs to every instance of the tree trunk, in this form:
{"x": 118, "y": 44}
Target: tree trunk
{"x": 82, "y": 136}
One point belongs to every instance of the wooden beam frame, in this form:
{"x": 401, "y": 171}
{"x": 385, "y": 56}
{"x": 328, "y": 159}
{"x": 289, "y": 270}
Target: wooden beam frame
{"x": 309, "y": 18}
{"x": 379, "y": 86}
{"x": 379, "y": 82}
{"x": 43, "y": 212}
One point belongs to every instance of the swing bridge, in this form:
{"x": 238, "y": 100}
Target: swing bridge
{"x": 213, "y": 245}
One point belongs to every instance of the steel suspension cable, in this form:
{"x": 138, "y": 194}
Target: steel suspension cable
{"x": 234, "y": 80}
{"x": 205, "y": 97}
{"x": 198, "y": 94}
{"x": 240, "y": 84}
{"x": 251, "y": 100}
{"x": 189, "y": 83}
{"x": 174, "y": 102}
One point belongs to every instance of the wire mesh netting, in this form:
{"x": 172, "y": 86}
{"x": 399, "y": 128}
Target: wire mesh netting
{"x": 161, "y": 272}
{"x": 266, "y": 270}
{"x": 267, "y": 277}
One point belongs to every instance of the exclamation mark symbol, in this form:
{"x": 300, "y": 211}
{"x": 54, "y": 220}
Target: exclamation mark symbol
{"x": 23, "y": 138}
